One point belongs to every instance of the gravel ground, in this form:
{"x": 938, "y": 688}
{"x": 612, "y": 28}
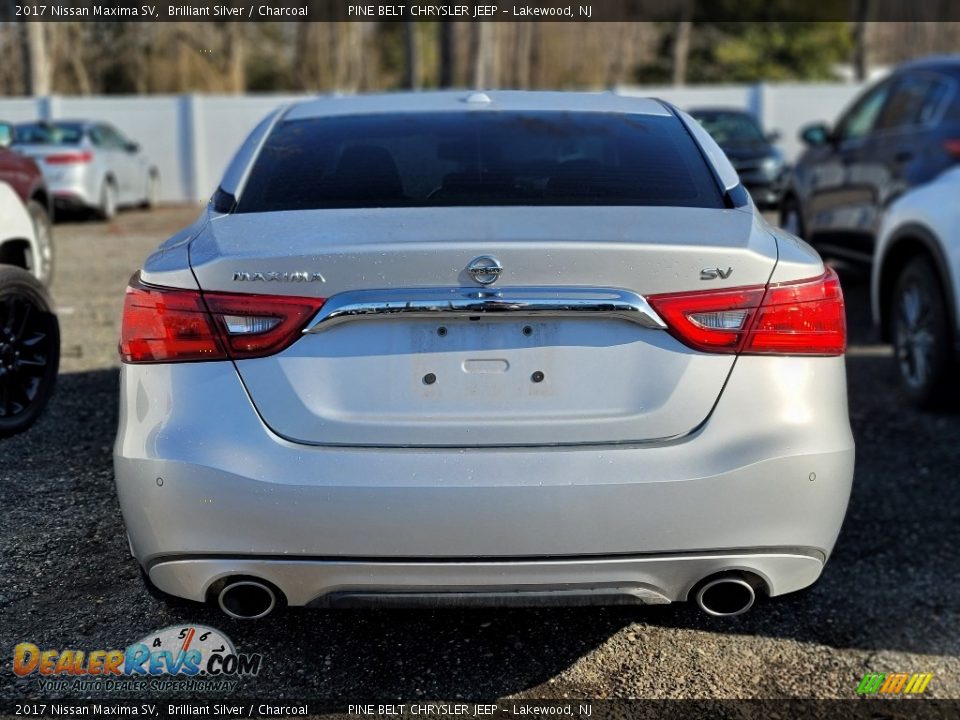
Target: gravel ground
{"x": 886, "y": 602}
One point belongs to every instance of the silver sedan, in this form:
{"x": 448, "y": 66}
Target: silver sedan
{"x": 90, "y": 165}
{"x": 482, "y": 348}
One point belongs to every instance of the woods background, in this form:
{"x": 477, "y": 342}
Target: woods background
{"x": 154, "y": 58}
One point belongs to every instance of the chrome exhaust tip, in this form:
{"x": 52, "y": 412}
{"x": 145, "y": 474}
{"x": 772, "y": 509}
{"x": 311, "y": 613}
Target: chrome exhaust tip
{"x": 247, "y": 599}
{"x": 726, "y": 596}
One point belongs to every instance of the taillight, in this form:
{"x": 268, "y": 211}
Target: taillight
{"x": 796, "y": 318}
{"x": 69, "y": 158}
{"x": 952, "y": 146}
{"x": 172, "y": 325}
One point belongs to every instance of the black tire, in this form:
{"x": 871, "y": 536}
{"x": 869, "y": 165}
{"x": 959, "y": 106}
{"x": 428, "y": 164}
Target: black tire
{"x": 107, "y": 209}
{"x": 791, "y": 216}
{"x": 29, "y": 350}
{"x": 922, "y": 336}
{"x": 43, "y": 258}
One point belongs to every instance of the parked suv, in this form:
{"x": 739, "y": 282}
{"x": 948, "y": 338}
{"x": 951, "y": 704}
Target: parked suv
{"x": 24, "y": 176}
{"x": 901, "y": 132}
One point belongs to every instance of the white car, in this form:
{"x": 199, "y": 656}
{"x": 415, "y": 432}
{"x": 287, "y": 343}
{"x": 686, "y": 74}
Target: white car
{"x": 916, "y": 288}
{"x": 29, "y": 333}
{"x": 482, "y": 348}
{"x": 90, "y": 165}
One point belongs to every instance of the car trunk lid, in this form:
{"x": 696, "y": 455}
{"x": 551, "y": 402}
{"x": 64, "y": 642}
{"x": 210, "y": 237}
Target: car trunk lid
{"x": 515, "y": 376}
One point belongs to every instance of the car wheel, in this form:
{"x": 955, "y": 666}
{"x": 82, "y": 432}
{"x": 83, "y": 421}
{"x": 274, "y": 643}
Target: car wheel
{"x": 29, "y": 350}
{"x": 791, "y": 219}
{"x": 108, "y": 201}
{"x": 922, "y": 339}
{"x": 152, "y": 198}
{"x": 42, "y": 258}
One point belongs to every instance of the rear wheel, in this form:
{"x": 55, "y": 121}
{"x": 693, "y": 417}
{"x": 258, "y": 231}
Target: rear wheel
{"x": 41, "y": 260}
{"x": 107, "y": 210}
{"x": 922, "y": 338}
{"x": 29, "y": 350}
{"x": 153, "y": 191}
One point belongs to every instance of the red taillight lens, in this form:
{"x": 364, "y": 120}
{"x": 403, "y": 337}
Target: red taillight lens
{"x": 172, "y": 325}
{"x": 797, "y": 318}
{"x": 952, "y": 147}
{"x": 69, "y": 158}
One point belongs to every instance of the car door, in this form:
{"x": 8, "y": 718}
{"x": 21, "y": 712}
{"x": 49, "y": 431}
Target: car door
{"x": 901, "y": 149}
{"x": 843, "y": 180}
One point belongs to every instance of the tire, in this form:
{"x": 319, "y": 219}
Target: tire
{"x": 152, "y": 198}
{"x": 42, "y": 258}
{"x": 791, "y": 217}
{"x": 29, "y": 350}
{"x": 922, "y": 336}
{"x": 107, "y": 210}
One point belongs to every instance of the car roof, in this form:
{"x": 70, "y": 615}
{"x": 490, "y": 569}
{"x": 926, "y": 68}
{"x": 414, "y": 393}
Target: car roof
{"x": 719, "y": 111}
{"x": 947, "y": 64}
{"x": 61, "y": 121}
{"x": 465, "y": 100}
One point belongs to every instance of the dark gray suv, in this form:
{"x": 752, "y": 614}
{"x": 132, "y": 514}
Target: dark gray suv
{"x": 899, "y": 133}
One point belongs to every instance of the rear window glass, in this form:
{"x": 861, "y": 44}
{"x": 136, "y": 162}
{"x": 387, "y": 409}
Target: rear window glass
{"x": 479, "y": 158}
{"x": 48, "y": 134}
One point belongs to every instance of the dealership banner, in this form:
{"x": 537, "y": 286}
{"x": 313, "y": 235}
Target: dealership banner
{"x": 470, "y": 11}
{"x": 493, "y": 710}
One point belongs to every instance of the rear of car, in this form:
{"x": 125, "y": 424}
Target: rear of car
{"x": 508, "y": 348}
{"x": 89, "y": 165}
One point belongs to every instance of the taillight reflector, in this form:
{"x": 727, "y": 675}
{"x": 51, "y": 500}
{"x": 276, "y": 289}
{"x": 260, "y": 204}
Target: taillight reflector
{"x": 69, "y": 158}
{"x": 173, "y": 325}
{"x": 796, "y": 318}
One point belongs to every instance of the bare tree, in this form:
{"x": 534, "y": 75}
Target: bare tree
{"x": 38, "y": 69}
{"x": 412, "y": 56}
{"x": 481, "y": 48}
{"x": 447, "y": 72}
{"x": 236, "y": 57}
{"x": 861, "y": 59}
{"x": 681, "y": 44}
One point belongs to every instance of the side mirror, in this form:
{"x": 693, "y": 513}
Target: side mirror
{"x": 6, "y": 134}
{"x": 133, "y": 147}
{"x": 815, "y": 135}
{"x": 773, "y": 136}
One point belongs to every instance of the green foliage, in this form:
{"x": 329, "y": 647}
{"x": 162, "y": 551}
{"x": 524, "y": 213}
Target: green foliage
{"x": 746, "y": 52}
{"x": 751, "y": 52}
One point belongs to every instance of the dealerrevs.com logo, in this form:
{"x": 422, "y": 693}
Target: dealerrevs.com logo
{"x": 195, "y": 657}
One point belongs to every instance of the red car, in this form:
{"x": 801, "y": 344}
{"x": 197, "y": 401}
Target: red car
{"x": 23, "y": 175}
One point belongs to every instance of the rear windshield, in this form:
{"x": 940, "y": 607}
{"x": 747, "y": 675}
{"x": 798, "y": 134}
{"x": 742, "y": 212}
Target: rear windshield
{"x": 479, "y": 158}
{"x": 730, "y": 128}
{"x": 49, "y": 134}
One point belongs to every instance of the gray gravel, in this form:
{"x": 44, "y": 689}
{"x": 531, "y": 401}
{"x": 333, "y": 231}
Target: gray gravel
{"x": 888, "y": 600}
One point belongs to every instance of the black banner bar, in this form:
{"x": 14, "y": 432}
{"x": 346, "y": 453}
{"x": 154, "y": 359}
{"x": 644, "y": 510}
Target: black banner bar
{"x": 866, "y": 709}
{"x": 472, "y": 11}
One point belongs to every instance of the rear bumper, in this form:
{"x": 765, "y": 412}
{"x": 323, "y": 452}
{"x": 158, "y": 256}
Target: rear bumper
{"x": 208, "y": 491}
{"x": 642, "y": 580}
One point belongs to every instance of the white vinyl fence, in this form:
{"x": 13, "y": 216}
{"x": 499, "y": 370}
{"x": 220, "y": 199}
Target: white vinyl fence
{"x": 191, "y": 138}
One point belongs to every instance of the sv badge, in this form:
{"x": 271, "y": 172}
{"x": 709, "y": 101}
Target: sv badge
{"x": 715, "y": 272}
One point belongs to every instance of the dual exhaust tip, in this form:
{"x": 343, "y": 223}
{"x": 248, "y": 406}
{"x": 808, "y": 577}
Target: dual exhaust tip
{"x": 727, "y": 595}
{"x": 247, "y": 599}
{"x": 724, "y": 595}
